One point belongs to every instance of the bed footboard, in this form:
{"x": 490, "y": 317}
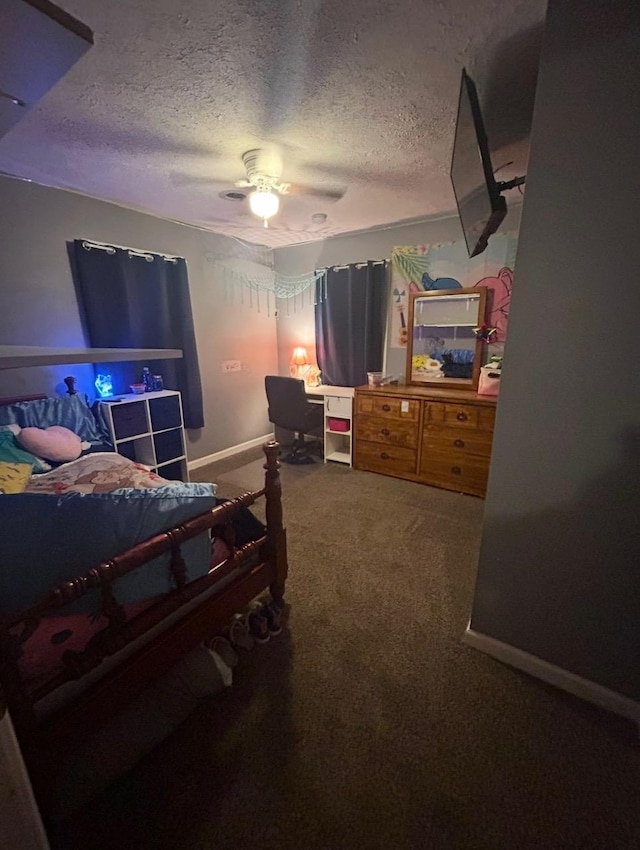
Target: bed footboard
{"x": 143, "y": 646}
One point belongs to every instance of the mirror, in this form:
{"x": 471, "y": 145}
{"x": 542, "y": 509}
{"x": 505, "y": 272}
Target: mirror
{"x": 442, "y": 346}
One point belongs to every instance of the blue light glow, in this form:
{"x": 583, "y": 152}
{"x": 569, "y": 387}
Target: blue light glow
{"x": 104, "y": 385}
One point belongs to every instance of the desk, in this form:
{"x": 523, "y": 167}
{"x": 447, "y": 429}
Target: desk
{"x": 325, "y": 390}
{"x": 338, "y": 409}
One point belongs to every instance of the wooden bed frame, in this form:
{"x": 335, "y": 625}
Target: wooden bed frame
{"x": 264, "y": 565}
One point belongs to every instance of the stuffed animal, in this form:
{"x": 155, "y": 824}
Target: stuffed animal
{"x": 425, "y": 367}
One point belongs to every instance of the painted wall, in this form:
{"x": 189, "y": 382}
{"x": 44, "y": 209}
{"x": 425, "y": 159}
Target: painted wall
{"x": 558, "y": 575}
{"x": 296, "y": 320}
{"x": 38, "y": 304}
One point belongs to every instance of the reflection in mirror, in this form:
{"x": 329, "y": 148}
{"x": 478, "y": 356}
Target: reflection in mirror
{"x": 443, "y": 347}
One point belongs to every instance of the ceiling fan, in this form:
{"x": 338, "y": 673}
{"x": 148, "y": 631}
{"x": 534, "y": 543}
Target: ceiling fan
{"x": 263, "y": 176}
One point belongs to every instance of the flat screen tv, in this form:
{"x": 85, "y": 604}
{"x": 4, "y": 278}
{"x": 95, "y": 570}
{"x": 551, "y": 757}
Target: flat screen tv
{"x": 481, "y": 206}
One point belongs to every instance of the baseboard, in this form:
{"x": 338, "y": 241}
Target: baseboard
{"x": 232, "y": 450}
{"x": 553, "y": 675}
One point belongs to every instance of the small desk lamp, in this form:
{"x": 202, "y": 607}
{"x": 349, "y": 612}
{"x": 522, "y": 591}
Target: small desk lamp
{"x": 299, "y": 363}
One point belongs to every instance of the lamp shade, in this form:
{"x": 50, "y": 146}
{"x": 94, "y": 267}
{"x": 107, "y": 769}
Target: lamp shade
{"x": 299, "y": 357}
{"x": 264, "y": 204}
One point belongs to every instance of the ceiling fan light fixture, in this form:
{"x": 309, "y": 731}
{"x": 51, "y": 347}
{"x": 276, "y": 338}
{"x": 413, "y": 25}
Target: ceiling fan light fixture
{"x": 264, "y": 204}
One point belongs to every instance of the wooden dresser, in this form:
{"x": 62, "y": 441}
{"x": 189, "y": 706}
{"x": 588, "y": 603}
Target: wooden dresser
{"x": 435, "y": 436}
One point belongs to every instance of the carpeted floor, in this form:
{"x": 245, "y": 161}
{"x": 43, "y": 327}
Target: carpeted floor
{"x": 367, "y": 724}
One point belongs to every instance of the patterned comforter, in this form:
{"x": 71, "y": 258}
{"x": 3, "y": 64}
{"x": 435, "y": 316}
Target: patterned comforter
{"x": 100, "y": 472}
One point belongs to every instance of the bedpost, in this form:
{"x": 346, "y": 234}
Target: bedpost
{"x": 276, "y": 533}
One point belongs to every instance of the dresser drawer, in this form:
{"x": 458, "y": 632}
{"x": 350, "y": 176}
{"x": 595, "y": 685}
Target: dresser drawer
{"x": 387, "y": 431}
{"x": 458, "y": 415}
{"x": 389, "y": 407}
{"x": 390, "y": 460}
{"x": 456, "y": 441}
{"x": 463, "y": 473}
{"x": 337, "y": 406}
{"x": 487, "y": 420}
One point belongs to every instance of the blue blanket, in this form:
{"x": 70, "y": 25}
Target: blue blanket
{"x": 45, "y": 540}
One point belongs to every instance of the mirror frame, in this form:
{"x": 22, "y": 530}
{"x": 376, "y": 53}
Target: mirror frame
{"x": 457, "y": 383}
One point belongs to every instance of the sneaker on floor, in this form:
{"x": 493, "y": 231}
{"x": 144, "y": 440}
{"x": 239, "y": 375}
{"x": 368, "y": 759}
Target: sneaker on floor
{"x": 240, "y": 633}
{"x": 258, "y": 625}
{"x": 273, "y": 616}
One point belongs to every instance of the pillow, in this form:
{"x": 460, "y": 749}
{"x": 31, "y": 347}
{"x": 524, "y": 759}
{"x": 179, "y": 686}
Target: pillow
{"x": 14, "y": 477}
{"x": 69, "y": 411}
{"x": 53, "y": 443}
{"x": 11, "y": 452}
{"x": 45, "y": 540}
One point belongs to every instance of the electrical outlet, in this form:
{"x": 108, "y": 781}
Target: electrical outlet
{"x": 231, "y": 365}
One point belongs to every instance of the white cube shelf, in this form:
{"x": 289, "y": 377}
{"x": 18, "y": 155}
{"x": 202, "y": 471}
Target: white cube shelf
{"x": 337, "y": 425}
{"x": 148, "y": 428}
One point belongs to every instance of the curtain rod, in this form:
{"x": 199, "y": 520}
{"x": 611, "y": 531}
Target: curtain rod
{"x": 88, "y": 244}
{"x": 355, "y": 265}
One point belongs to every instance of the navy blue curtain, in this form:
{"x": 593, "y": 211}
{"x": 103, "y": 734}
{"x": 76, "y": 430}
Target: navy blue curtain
{"x": 350, "y": 317}
{"x": 128, "y": 300}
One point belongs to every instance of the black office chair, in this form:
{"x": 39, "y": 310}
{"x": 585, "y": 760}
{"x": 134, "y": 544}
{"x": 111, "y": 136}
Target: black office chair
{"x": 290, "y": 409}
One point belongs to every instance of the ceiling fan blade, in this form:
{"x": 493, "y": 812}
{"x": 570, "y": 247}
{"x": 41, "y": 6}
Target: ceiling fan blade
{"x": 295, "y": 189}
{"x": 192, "y": 180}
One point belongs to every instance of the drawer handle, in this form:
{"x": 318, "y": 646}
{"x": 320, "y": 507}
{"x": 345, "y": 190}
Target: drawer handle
{"x": 386, "y": 407}
{"x": 384, "y": 456}
{"x": 456, "y": 470}
{"x": 462, "y": 417}
{"x": 458, "y": 444}
{"x": 385, "y": 432}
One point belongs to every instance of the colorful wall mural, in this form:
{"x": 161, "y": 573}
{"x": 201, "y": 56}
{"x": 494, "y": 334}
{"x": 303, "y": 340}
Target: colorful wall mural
{"x": 447, "y": 266}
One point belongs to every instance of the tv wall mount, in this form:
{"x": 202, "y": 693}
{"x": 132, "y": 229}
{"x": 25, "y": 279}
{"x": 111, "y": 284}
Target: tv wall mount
{"x": 504, "y": 185}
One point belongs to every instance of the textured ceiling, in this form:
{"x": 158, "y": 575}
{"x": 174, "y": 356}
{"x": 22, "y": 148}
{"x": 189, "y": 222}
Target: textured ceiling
{"x": 357, "y": 95}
